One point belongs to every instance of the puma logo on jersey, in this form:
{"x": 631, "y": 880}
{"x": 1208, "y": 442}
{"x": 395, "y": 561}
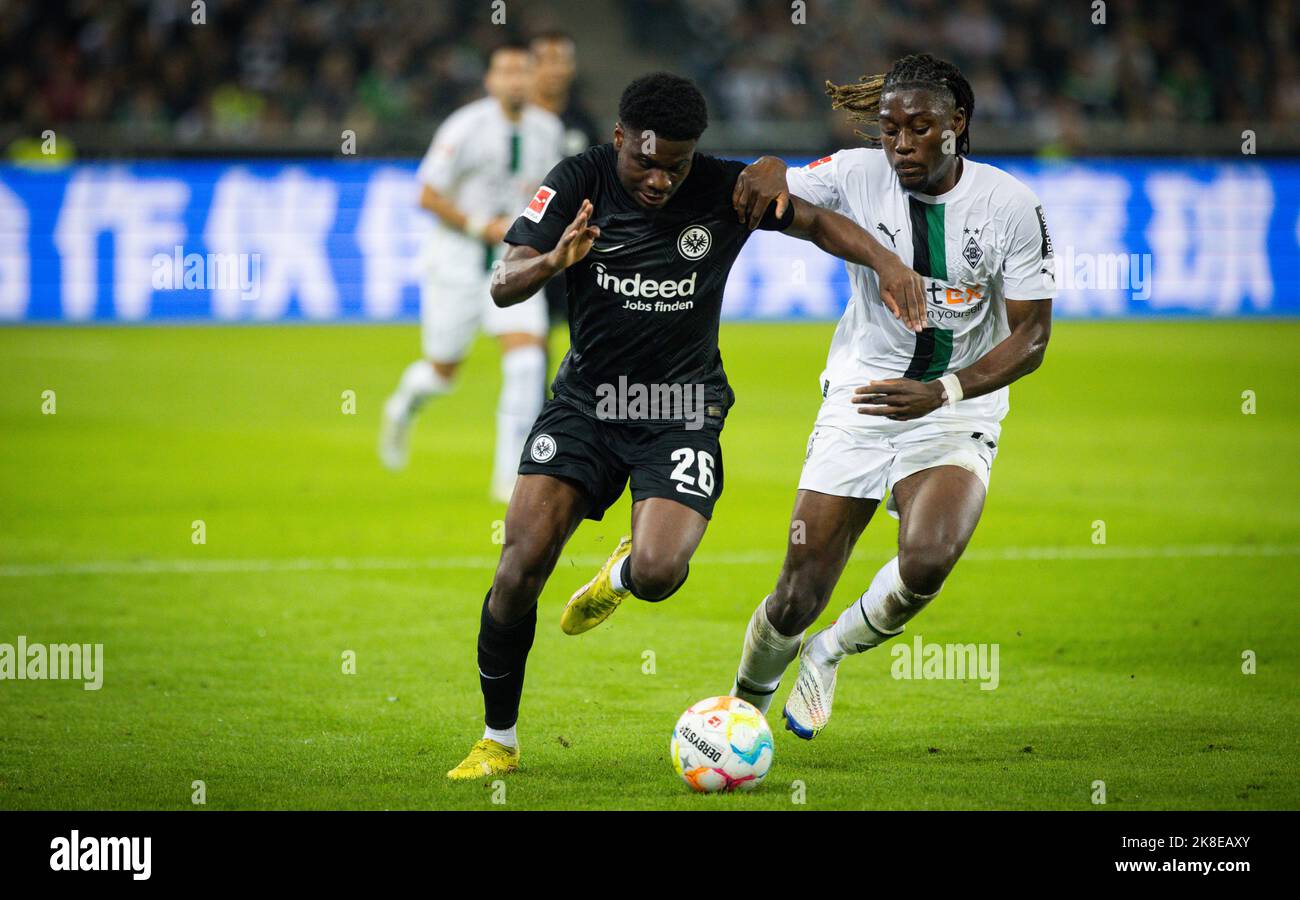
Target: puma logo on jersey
{"x": 881, "y": 226}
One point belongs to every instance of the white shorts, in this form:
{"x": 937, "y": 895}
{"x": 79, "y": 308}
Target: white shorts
{"x": 452, "y": 313}
{"x": 868, "y": 462}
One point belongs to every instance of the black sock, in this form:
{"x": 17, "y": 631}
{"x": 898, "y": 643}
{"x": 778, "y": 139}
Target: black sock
{"x": 502, "y": 653}
{"x": 625, "y": 575}
{"x": 626, "y": 578}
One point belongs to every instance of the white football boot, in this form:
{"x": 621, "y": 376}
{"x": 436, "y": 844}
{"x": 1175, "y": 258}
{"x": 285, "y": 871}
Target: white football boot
{"x": 808, "y": 708}
{"x": 394, "y": 435}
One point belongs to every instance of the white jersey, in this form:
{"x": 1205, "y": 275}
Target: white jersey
{"x": 487, "y": 166}
{"x": 980, "y": 243}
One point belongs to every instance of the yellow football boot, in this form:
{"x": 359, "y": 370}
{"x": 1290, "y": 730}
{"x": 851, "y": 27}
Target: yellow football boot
{"x": 596, "y": 600}
{"x": 486, "y": 758}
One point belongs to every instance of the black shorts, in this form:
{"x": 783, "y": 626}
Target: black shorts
{"x": 662, "y": 459}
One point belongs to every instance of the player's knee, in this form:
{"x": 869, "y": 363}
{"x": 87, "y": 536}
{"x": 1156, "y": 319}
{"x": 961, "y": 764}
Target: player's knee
{"x": 524, "y": 362}
{"x": 656, "y": 579}
{"x": 655, "y": 585}
{"x": 445, "y": 370}
{"x": 513, "y": 594}
{"x": 519, "y": 580}
{"x": 794, "y": 605}
{"x": 924, "y": 567}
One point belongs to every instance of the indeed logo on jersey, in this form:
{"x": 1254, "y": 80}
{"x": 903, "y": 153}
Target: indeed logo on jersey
{"x": 648, "y": 288}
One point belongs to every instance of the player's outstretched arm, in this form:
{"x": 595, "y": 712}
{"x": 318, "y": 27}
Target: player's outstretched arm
{"x": 763, "y": 182}
{"x": 523, "y": 270}
{"x": 901, "y": 286}
{"x": 1015, "y": 356}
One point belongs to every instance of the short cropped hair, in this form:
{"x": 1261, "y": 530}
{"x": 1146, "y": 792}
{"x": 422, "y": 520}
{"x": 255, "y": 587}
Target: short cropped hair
{"x": 669, "y": 105}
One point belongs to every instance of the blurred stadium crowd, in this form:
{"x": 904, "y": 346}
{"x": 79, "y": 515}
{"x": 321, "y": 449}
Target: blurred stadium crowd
{"x": 308, "y": 67}
{"x": 252, "y": 69}
{"x": 1167, "y": 60}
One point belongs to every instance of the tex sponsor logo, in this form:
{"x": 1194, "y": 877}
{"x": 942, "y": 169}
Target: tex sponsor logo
{"x": 536, "y": 207}
{"x": 947, "y": 301}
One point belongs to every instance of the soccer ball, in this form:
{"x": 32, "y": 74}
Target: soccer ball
{"x": 722, "y": 744}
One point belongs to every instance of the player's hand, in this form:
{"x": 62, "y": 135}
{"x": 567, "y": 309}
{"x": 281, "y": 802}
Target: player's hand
{"x": 495, "y": 231}
{"x": 761, "y": 182}
{"x": 899, "y": 398}
{"x": 577, "y": 239}
{"x": 903, "y": 291}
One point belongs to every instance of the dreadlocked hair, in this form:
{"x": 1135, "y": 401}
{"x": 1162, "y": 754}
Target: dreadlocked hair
{"x": 862, "y": 99}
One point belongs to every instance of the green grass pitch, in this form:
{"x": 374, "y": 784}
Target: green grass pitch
{"x": 1119, "y": 663}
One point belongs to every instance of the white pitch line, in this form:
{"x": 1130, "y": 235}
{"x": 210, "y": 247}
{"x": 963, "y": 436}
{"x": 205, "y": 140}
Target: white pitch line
{"x": 379, "y": 564}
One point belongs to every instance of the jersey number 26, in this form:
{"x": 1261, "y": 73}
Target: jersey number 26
{"x": 685, "y": 457}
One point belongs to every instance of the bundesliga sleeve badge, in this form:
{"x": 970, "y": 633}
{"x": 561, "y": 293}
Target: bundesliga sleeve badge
{"x": 537, "y": 206}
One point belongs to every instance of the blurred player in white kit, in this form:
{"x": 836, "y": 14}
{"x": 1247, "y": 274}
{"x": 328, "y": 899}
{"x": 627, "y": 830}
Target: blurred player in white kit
{"x": 485, "y": 163}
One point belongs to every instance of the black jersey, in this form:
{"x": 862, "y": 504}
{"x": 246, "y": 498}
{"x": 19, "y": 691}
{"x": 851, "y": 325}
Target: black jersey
{"x": 644, "y": 304}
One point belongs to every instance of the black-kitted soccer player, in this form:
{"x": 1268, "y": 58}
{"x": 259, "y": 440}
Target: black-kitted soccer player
{"x": 645, "y": 233}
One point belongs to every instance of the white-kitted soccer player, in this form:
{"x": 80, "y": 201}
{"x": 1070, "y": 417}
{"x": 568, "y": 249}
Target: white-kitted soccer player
{"x": 912, "y": 409}
{"x": 485, "y": 163}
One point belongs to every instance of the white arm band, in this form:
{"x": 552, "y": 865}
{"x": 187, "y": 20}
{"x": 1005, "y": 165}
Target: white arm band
{"x": 952, "y": 389}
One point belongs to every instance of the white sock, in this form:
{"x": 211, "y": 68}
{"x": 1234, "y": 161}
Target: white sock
{"x": 879, "y": 614}
{"x": 505, "y": 737}
{"x": 616, "y": 577}
{"x": 766, "y": 654}
{"x": 418, "y": 383}
{"x": 523, "y": 388}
